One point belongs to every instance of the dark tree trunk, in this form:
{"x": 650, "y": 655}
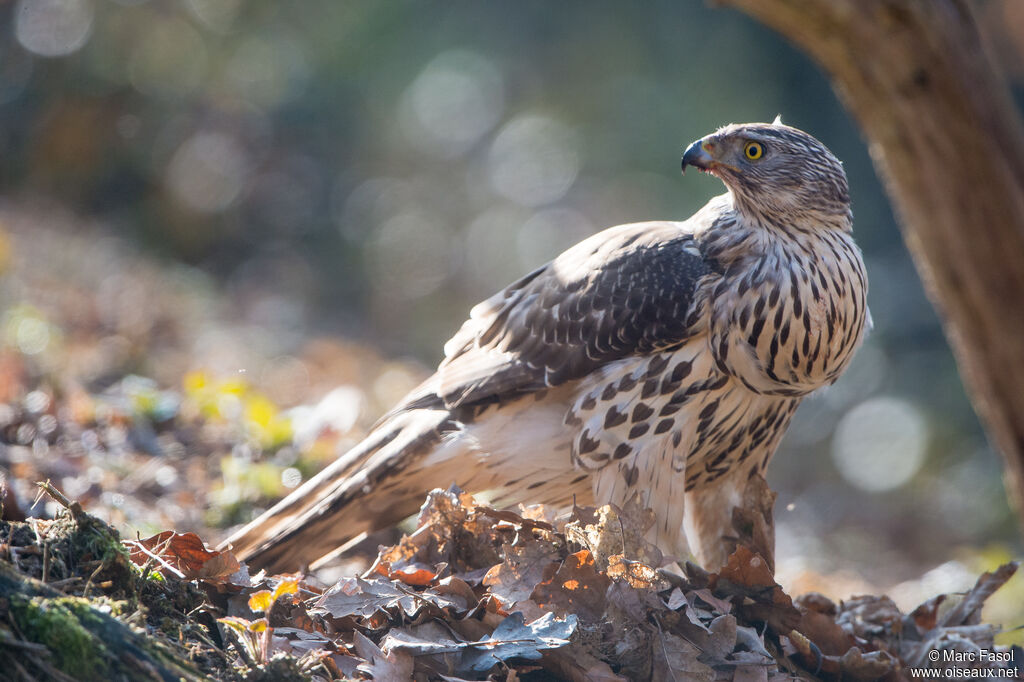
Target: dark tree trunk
{"x": 949, "y": 145}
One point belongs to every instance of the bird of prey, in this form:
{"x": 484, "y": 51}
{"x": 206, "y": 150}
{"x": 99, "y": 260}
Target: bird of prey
{"x": 658, "y": 359}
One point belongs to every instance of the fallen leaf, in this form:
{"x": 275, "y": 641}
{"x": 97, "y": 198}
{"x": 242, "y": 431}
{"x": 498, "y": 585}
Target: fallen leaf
{"x": 346, "y": 665}
{"x": 523, "y": 568}
{"x": 460, "y": 532}
{"x": 633, "y": 605}
{"x": 574, "y": 664}
{"x": 576, "y": 588}
{"x": 676, "y": 599}
{"x": 752, "y": 673}
{"x": 394, "y": 666}
{"x": 753, "y": 521}
{"x": 869, "y": 617}
{"x": 516, "y": 519}
{"x": 719, "y": 605}
{"x": 823, "y": 631}
{"x": 303, "y": 641}
{"x": 515, "y": 639}
{"x": 747, "y": 569}
{"x": 186, "y": 554}
{"x": 748, "y": 582}
{"x": 639, "y": 575}
{"x": 429, "y": 639}
{"x": 925, "y": 616}
{"x": 608, "y": 531}
{"x": 365, "y": 598}
{"x": 416, "y": 574}
{"x": 722, "y": 638}
{"x": 968, "y": 611}
{"x": 873, "y": 665}
{"x": 458, "y": 591}
{"x": 675, "y": 660}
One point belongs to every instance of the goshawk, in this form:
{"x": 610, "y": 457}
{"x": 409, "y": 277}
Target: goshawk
{"x": 663, "y": 359}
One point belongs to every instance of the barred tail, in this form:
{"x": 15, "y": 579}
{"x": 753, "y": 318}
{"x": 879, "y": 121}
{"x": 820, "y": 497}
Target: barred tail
{"x": 376, "y": 484}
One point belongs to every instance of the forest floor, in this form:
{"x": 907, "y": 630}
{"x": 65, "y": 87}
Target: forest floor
{"x": 113, "y": 394}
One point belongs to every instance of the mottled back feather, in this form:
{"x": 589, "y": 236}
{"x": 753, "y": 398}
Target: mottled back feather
{"x": 625, "y": 291}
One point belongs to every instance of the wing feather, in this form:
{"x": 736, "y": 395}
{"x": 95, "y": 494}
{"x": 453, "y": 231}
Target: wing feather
{"x": 625, "y": 290}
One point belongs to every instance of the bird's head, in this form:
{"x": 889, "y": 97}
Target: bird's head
{"x": 775, "y": 172}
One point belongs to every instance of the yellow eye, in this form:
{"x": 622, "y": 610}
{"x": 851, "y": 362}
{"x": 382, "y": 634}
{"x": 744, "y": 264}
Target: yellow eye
{"x": 753, "y": 150}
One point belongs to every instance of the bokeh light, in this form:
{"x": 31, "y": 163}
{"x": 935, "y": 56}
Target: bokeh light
{"x": 410, "y": 255}
{"x": 490, "y": 239}
{"x": 267, "y": 70}
{"x": 208, "y": 171}
{"x": 549, "y": 232}
{"x": 534, "y": 160}
{"x": 455, "y": 100}
{"x": 880, "y": 444}
{"x": 53, "y": 28}
{"x": 169, "y": 60}
{"x": 217, "y": 15}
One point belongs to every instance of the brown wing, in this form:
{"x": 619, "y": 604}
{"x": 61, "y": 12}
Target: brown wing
{"x": 626, "y": 290}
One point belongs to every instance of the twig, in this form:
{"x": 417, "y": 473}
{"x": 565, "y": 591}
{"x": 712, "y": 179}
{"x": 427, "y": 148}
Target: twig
{"x": 156, "y": 558}
{"x": 60, "y": 498}
{"x": 202, "y": 637}
{"x": 41, "y": 541}
{"x": 88, "y": 584}
{"x": 24, "y": 673}
{"x": 664, "y": 651}
{"x": 238, "y": 639}
{"x": 51, "y": 672}
{"x": 10, "y": 640}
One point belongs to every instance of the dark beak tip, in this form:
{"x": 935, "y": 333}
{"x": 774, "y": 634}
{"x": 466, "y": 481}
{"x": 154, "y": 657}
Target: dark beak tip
{"x": 696, "y": 156}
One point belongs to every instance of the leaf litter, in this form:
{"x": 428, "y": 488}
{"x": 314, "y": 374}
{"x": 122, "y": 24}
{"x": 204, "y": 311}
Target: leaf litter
{"x": 476, "y": 593}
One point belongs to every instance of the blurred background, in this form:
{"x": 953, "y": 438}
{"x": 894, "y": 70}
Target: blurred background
{"x": 232, "y": 233}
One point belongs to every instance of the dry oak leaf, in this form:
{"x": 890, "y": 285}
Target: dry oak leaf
{"x": 415, "y": 574}
{"x": 576, "y": 588}
{"x": 818, "y": 624}
{"x": 869, "y": 617}
{"x": 394, "y": 666}
{"x": 464, "y": 537}
{"x": 968, "y": 611}
{"x": 185, "y": 554}
{"x": 524, "y": 567}
{"x": 675, "y": 659}
{"x": 608, "y": 530}
{"x": 366, "y": 598}
{"x": 639, "y": 575}
{"x": 748, "y": 581}
{"x": 852, "y": 664}
{"x": 428, "y": 639}
{"x": 513, "y": 638}
{"x": 420, "y": 550}
{"x": 574, "y": 664}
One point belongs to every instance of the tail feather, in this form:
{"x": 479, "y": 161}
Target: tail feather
{"x": 375, "y": 485}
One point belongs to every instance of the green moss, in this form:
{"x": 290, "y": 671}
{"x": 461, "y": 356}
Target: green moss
{"x": 91, "y": 537}
{"x": 58, "y": 624}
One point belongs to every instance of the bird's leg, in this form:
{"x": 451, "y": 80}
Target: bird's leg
{"x": 734, "y": 510}
{"x": 753, "y": 520}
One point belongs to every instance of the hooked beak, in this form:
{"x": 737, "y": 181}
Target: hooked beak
{"x": 697, "y": 155}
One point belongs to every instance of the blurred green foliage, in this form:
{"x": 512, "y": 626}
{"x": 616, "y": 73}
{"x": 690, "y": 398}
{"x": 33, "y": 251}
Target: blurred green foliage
{"x": 373, "y": 169}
